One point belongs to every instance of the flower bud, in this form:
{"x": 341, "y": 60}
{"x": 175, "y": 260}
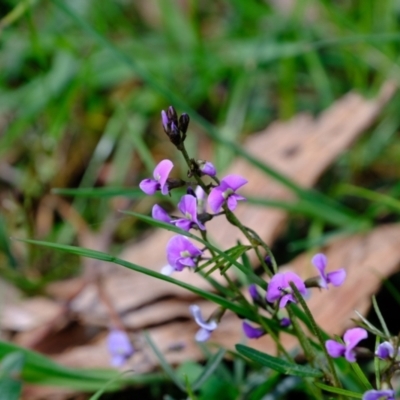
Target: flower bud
{"x": 183, "y": 123}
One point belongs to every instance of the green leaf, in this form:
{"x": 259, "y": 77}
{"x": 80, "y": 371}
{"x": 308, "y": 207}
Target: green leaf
{"x": 339, "y": 391}
{"x": 277, "y": 364}
{"x": 10, "y": 376}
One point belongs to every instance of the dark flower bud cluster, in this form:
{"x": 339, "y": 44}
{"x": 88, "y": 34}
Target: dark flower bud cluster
{"x": 175, "y": 128}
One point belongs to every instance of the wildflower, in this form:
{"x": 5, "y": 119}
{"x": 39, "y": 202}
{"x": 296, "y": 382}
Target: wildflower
{"x": 385, "y": 350}
{"x": 226, "y": 191}
{"x": 175, "y": 130}
{"x": 336, "y": 278}
{"x": 206, "y": 168}
{"x": 188, "y": 207}
{"x": 387, "y": 394}
{"x": 160, "y": 214}
{"x": 285, "y": 322}
{"x": 351, "y": 338}
{"x": 279, "y": 288}
{"x": 160, "y": 174}
{"x": 182, "y": 253}
{"x": 251, "y": 332}
{"x": 119, "y": 347}
{"x": 206, "y": 327}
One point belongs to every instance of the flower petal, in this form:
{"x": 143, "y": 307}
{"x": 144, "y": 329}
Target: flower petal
{"x": 160, "y": 214}
{"x": 353, "y": 336}
{"x": 286, "y": 299}
{"x": 335, "y": 349}
{"x": 196, "y": 312}
{"x": 251, "y": 332}
{"x": 161, "y": 173}
{"x": 336, "y": 278}
{"x": 202, "y": 335}
{"x": 119, "y": 346}
{"x": 385, "y": 350}
{"x": 387, "y": 394}
{"x": 234, "y": 181}
{"x": 188, "y": 205}
{"x": 167, "y": 270}
{"x": 149, "y": 186}
{"x": 274, "y": 291}
{"x": 231, "y": 202}
{"x": 215, "y": 199}
{"x": 299, "y": 283}
{"x": 183, "y": 223}
{"x": 320, "y": 261}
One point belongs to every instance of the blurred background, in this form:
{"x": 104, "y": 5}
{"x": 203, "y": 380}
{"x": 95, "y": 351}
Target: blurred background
{"x": 82, "y": 84}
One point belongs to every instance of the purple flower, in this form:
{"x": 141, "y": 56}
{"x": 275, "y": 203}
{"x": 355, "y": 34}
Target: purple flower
{"x": 160, "y": 214}
{"x": 226, "y": 192}
{"x": 119, "y": 347}
{"x": 351, "y": 338}
{"x": 387, "y": 394}
{"x": 182, "y": 253}
{"x": 207, "y": 168}
{"x": 285, "y": 322}
{"x": 251, "y": 332}
{"x": 336, "y": 278}
{"x": 206, "y": 327}
{"x": 253, "y": 292}
{"x": 188, "y": 207}
{"x": 385, "y": 350}
{"x": 160, "y": 174}
{"x": 279, "y": 288}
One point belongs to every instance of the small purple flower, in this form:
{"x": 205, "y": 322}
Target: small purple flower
{"x": 385, "y": 350}
{"x": 207, "y": 168}
{"x": 279, "y": 288}
{"x": 336, "y": 278}
{"x": 254, "y": 292}
{"x": 160, "y": 174}
{"x": 188, "y": 207}
{"x": 226, "y": 192}
{"x": 285, "y": 322}
{"x": 160, "y": 214}
{"x": 251, "y": 332}
{"x": 351, "y": 338}
{"x": 387, "y": 394}
{"x": 206, "y": 327}
{"x": 119, "y": 347}
{"x": 182, "y": 253}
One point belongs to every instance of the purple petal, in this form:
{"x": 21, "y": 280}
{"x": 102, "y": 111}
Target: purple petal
{"x": 385, "y": 350}
{"x": 196, "y": 312}
{"x": 234, "y": 181}
{"x": 387, "y": 394}
{"x": 119, "y": 346}
{"x": 201, "y": 200}
{"x": 253, "y": 291}
{"x": 299, "y": 283}
{"x": 183, "y": 224}
{"x": 319, "y": 261}
{"x": 161, "y": 173}
{"x": 335, "y": 349}
{"x": 208, "y": 169}
{"x": 188, "y": 207}
{"x": 174, "y": 248}
{"x": 353, "y": 336}
{"x": 285, "y": 322}
{"x": 165, "y": 120}
{"x": 273, "y": 292}
{"x": 336, "y": 278}
{"x": 149, "y": 186}
{"x": 286, "y": 299}
{"x": 231, "y": 202}
{"x": 251, "y": 332}
{"x": 160, "y": 214}
{"x": 202, "y": 335}
{"x": 215, "y": 199}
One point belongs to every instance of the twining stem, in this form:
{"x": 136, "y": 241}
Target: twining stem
{"x": 317, "y": 332}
